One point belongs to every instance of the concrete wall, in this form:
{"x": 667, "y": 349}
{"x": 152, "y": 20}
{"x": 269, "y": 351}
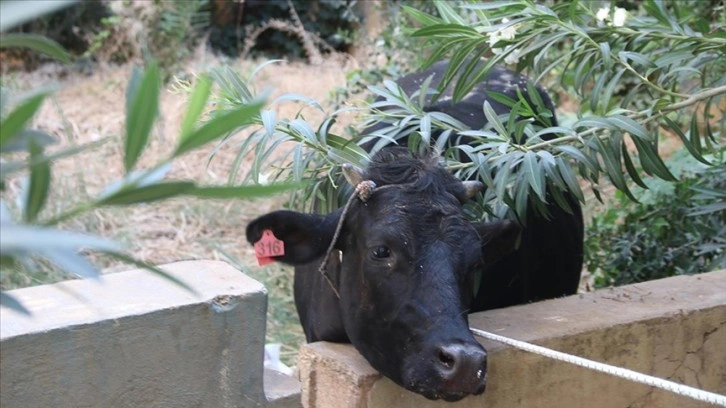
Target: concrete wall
{"x": 136, "y": 340}
{"x": 671, "y": 328}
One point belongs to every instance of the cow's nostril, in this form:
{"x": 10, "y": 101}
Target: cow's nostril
{"x": 462, "y": 367}
{"x": 446, "y": 358}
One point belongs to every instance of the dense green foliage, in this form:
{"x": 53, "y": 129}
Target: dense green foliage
{"x": 675, "y": 228}
{"x": 333, "y": 22}
{"x": 635, "y": 73}
{"x": 168, "y": 31}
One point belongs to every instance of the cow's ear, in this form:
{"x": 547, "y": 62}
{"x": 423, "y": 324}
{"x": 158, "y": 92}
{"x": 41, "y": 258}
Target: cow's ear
{"x": 498, "y": 239}
{"x": 305, "y": 236}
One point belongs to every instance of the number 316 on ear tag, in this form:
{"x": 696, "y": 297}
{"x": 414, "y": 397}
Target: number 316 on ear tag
{"x": 267, "y": 247}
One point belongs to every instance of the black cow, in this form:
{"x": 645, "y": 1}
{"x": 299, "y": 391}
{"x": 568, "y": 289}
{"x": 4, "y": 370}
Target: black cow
{"x": 406, "y": 259}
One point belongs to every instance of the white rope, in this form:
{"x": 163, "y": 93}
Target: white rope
{"x": 680, "y": 389}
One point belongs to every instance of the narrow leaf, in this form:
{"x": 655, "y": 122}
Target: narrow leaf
{"x": 535, "y": 177}
{"x": 197, "y": 102}
{"x": 12, "y": 167}
{"x": 629, "y": 125}
{"x": 24, "y": 239}
{"x": 11, "y": 303}
{"x": 651, "y": 161}
{"x": 147, "y": 194}
{"x": 568, "y": 176}
{"x": 17, "y": 119}
{"x": 38, "y": 185}
{"x": 142, "y": 108}
{"x": 244, "y": 192}
{"x": 23, "y": 140}
{"x": 220, "y": 126}
{"x": 449, "y": 14}
{"x": 578, "y": 155}
{"x": 708, "y": 209}
{"x": 630, "y": 168}
{"x": 70, "y": 262}
{"x": 494, "y": 120}
{"x": 696, "y": 153}
{"x": 36, "y": 43}
{"x": 613, "y": 168}
{"x": 153, "y": 269}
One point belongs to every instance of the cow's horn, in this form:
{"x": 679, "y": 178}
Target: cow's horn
{"x": 472, "y": 187}
{"x": 353, "y": 174}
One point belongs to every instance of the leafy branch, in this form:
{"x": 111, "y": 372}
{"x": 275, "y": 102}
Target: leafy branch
{"x": 634, "y": 76}
{"x": 34, "y": 238}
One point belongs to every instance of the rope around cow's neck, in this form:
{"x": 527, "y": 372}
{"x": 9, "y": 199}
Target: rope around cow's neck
{"x": 363, "y": 191}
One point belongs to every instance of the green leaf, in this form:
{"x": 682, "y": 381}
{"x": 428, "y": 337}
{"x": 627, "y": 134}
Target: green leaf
{"x": 153, "y": 269}
{"x": 70, "y": 262}
{"x": 244, "y": 192}
{"x": 609, "y": 90}
{"x": 220, "y": 126}
{"x": 568, "y": 176}
{"x": 578, "y": 155}
{"x": 607, "y": 57}
{"x": 15, "y": 121}
{"x": 197, "y": 102}
{"x": 494, "y": 120}
{"x": 347, "y": 151}
{"x": 420, "y": 16}
{"x": 10, "y": 302}
{"x": 37, "y": 43}
{"x": 38, "y": 186}
{"x": 636, "y": 57}
{"x": 136, "y": 179}
{"x": 629, "y": 125}
{"x": 448, "y": 13}
{"x": 13, "y": 167}
{"x": 142, "y": 107}
{"x": 611, "y": 160}
{"x": 651, "y": 162}
{"x": 696, "y": 153}
{"x": 708, "y": 209}
{"x": 24, "y": 239}
{"x": 495, "y": 5}
{"x": 630, "y": 168}
{"x": 535, "y": 177}
{"x": 447, "y": 31}
{"x": 23, "y": 140}
{"x": 148, "y": 193}
{"x": 694, "y": 135}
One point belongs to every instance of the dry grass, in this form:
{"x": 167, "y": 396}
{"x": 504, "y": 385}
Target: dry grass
{"x": 88, "y": 108}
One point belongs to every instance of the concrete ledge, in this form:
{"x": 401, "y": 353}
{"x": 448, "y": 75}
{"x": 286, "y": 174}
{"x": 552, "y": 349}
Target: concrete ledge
{"x": 672, "y": 328}
{"x": 136, "y": 340}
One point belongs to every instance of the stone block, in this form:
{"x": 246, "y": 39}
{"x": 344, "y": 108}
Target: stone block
{"x": 134, "y": 339}
{"x": 672, "y": 328}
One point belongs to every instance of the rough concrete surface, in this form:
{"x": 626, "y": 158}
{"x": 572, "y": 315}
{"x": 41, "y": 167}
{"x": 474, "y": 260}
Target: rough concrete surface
{"x": 672, "y": 328}
{"x": 136, "y": 340}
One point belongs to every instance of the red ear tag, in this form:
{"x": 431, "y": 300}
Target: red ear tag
{"x": 267, "y": 247}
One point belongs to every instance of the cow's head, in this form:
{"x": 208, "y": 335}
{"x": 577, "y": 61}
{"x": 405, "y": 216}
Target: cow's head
{"x": 409, "y": 263}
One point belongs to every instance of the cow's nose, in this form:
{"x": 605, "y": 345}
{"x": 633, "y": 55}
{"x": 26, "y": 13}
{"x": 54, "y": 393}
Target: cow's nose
{"x": 463, "y": 367}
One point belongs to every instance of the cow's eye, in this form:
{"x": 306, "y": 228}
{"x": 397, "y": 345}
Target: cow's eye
{"x": 382, "y": 252}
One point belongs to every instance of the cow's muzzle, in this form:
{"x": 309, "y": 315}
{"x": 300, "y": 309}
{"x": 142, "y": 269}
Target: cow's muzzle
{"x": 462, "y": 369}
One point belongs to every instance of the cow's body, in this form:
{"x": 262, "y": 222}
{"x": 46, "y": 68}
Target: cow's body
{"x": 407, "y": 258}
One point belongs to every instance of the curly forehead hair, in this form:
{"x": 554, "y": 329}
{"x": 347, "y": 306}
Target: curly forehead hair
{"x": 397, "y": 165}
